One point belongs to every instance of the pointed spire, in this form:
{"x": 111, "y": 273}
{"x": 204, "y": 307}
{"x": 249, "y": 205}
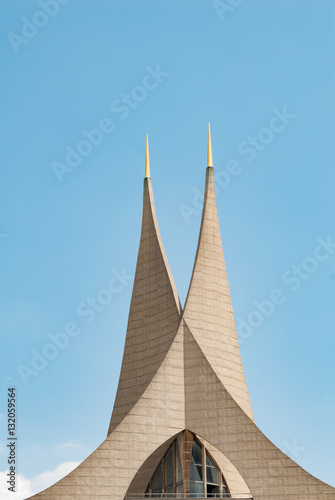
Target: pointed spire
{"x": 147, "y": 162}
{"x": 154, "y": 313}
{"x": 208, "y": 311}
{"x": 209, "y": 153}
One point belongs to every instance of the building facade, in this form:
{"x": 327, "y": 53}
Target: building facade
{"x": 182, "y": 423}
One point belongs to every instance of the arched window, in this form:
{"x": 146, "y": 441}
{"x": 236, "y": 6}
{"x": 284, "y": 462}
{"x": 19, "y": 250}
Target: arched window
{"x": 187, "y": 468}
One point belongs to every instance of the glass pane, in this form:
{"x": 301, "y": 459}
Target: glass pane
{"x": 196, "y": 490}
{"x": 180, "y": 488}
{"x": 209, "y": 461}
{"x": 169, "y": 468}
{"x": 196, "y": 453}
{"x": 179, "y": 478}
{"x": 213, "y": 491}
{"x": 157, "y": 480}
{"x": 196, "y": 472}
{"x": 212, "y": 475}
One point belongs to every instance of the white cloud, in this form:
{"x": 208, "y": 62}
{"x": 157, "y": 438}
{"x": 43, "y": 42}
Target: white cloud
{"x": 49, "y": 477}
{"x": 23, "y": 488}
{"x": 27, "y": 487}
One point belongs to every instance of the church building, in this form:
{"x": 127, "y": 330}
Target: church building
{"x": 182, "y": 424}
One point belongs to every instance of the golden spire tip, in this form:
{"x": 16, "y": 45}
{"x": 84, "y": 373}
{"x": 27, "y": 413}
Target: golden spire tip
{"x": 209, "y": 153}
{"x": 147, "y": 162}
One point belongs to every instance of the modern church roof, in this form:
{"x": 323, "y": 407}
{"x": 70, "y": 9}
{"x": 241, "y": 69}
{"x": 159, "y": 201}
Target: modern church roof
{"x": 182, "y": 424}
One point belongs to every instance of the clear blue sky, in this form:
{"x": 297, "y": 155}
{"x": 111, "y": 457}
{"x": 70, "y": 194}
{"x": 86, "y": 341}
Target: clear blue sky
{"x": 262, "y": 73}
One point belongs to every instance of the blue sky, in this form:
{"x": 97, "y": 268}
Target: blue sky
{"x": 262, "y": 72}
